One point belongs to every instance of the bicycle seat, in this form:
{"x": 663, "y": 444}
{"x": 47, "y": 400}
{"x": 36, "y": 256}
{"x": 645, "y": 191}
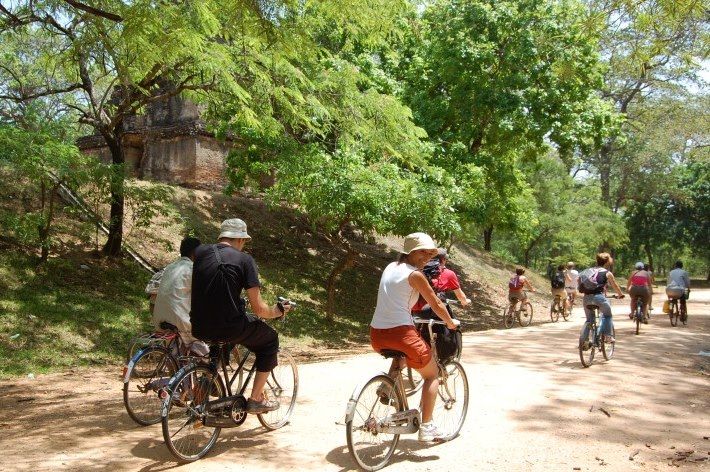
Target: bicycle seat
{"x": 592, "y": 307}
{"x": 390, "y": 353}
{"x": 168, "y": 326}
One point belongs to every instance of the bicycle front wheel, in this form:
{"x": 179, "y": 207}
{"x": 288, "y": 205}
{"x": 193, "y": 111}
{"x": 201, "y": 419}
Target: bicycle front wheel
{"x": 608, "y": 347}
{"x": 586, "y": 346}
{"x": 378, "y": 399}
{"x": 452, "y": 400}
{"x": 509, "y": 316}
{"x": 525, "y": 314}
{"x": 147, "y": 375}
{"x": 282, "y": 386}
{"x": 185, "y": 412}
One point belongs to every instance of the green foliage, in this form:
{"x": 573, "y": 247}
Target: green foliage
{"x": 40, "y": 154}
{"x": 493, "y": 83}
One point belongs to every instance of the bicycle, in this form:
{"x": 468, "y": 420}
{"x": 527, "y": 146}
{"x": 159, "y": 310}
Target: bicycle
{"x": 638, "y": 314}
{"x": 595, "y": 340}
{"x": 559, "y": 307}
{"x": 147, "y": 373}
{"x": 523, "y": 314}
{"x": 378, "y": 411}
{"x": 413, "y": 381}
{"x": 200, "y": 401}
{"x": 677, "y": 312}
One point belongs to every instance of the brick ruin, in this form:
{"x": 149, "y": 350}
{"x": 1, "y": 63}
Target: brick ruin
{"x": 169, "y": 143}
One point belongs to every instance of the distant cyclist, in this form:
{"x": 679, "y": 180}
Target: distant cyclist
{"x": 571, "y": 280}
{"x": 517, "y": 285}
{"x": 640, "y": 286}
{"x": 679, "y": 287}
{"x": 447, "y": 280}
{"x": 593, "y": 284}
{"x": 557, "y": 284}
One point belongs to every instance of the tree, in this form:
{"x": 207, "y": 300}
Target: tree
{"x": 107, "y": 61}
{"x": 39, "y": 149}
{"x": 494, "y": 82}
{"x": 651, "y": 48}
{"x": 347, "y": 154}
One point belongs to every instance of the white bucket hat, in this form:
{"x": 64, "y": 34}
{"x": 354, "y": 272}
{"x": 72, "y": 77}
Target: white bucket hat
{"x": 233, "y": 228}
{"x": 416, "y": 241}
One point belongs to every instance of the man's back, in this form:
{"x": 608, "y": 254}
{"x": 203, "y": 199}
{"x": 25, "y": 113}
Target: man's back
{"x": 172, "y": 303}
{"x": 217, "y": 306}
{"x": 678, "y": 278}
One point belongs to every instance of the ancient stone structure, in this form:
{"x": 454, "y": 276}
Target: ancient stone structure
{"x": 169, "y": 143}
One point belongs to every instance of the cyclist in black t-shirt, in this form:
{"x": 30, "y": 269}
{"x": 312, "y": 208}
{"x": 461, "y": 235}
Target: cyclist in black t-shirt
{"x": 220, "y": 272}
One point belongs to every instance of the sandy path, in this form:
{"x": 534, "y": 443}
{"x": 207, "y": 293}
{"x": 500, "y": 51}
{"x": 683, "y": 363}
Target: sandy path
{"x": 529, "y": 410}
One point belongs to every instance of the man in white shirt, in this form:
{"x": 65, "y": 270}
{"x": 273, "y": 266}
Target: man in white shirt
{"x": 173, "y": 298}
{"x": 679, "y": 287}
{"x": 571, "y": 280}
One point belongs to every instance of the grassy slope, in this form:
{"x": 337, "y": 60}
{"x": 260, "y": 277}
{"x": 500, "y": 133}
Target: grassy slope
{"x": 66, "y": 315}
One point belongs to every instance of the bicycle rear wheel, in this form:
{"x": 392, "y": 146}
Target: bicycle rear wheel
{"x": 555, "y": 311}
{"x": 586, "y": 346}
{"x": 509, "y": 316}
{"x": 184, "y": 412}
{"x": 525, "y": 316}
{"x": 452, "y": 402}
{"x": 377, "y": 399}
{"x": 637, "y": 319}
{"x": 146, "y": 375}
{"x": 673, "y": 315}
{"x": 567, "y": 309}
{"x": 282, "y": 386}
{"x": 608, "y": 347}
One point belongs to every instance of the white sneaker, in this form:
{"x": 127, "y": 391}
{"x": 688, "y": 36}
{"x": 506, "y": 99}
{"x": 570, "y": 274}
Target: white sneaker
{"x": 428, "y": 432}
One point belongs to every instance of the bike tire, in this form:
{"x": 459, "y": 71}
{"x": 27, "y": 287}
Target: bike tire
{"x": 566, "y": 310}
{"x": 525, "y": 316}
{"x": 184, "y": 411}
{"x": 452, "y": 401}
{"x": 508, "y": 317}
{"x": 554, "y": 312}
{"x": 147, "y": 373}
{"x": 587, "y": 355}
{"x": 372, "y": 451}
{"x": 608, "y": 348}
{"x": 282, "y": 385}
{"x": 674, "y": 314}
{"x": 637, "y": 318}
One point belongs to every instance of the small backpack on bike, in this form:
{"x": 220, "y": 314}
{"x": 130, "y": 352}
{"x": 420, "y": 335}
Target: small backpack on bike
{"x": 448, "y": 342}
{"x": 432, "y": 269}
{"x": 592, "y": 280}
{"x": 558, "y": 280}
{"x": 515, "y": 283}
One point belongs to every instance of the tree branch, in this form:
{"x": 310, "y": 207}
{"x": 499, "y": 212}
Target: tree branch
{"x": 95, "y": 11}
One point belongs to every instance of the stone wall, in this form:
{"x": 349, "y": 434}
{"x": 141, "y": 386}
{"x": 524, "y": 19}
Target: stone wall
{"x": 169, "y": 143}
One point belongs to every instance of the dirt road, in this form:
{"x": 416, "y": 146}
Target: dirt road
{"x": 533, "y": 408}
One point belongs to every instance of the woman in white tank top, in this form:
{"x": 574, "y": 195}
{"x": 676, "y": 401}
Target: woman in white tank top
{"x": 392, "y": 326}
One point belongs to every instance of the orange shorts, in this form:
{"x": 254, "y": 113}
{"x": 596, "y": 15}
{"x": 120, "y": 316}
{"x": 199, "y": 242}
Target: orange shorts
{"x": 402, "y": 338}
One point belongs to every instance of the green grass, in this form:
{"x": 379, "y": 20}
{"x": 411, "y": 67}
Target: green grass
{"x": 61, "y": 315}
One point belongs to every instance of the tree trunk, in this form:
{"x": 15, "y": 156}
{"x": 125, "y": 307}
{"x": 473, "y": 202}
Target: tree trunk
{"x": 43, "y": 229}
{"x": 487, "y": 233}
{"x": 649, "y": 256}
{"x": 604, "y": 166}
{"x": 115, "y": 226}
